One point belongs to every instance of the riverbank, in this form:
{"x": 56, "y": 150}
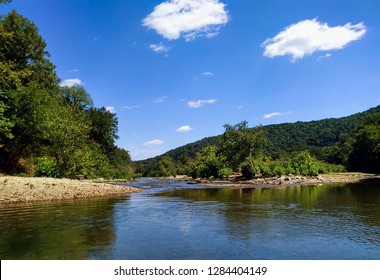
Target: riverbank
{"x": 30, "y": 189}
{"x": 292, "y": 180}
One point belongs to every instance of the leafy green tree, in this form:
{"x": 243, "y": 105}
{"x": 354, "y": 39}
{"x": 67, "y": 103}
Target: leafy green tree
{"x": 255, "y": 166}
{"x": 366, "y": 148}
{"x": 166, "y": 167}
{"x": 121, "y": 165}
{"x": 26, "y": 77}
{"x": 303, "y": 163}
{"x": 77, "y": 98}
{"x": 103, "y": 130}
{"x": 5, "y": 124}
{"x": 239, "y": 142}
{"x": 23, "y": 57}
{"x": 208, "y": 164}
{"x": 28, "y": 114}
{"x": 184, "y": 165}
{"x": 67, "y": 134}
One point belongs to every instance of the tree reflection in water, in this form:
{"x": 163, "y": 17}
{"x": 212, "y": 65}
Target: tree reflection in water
{"x": 64, "y": 230}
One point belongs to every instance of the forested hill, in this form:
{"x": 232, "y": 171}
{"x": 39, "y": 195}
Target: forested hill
{"x": 303, "y": 135}
{"x": 286, "y": 137}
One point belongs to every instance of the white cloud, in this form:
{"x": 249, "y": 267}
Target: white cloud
{"x": 184, "y": 128}
{"x": 70, "y": 82}
{"x": 153, "y": 143}
{"x": 275, "y": 114}
{"x": 73, "y": 70}
{"x": 327, "y": 55}
{"x": 159, "y": 99}
{"x": 308, "y": 36}
{"x": 207, "y": 74}
{"x": 187, "y": 18}
{"x": 200, "y": 103}
{"x": 159, "y": 48}
{"x": 111, "y": 109}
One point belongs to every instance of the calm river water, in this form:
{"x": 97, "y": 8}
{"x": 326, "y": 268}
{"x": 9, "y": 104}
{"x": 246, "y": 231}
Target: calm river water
{"x": 174, "y": 220}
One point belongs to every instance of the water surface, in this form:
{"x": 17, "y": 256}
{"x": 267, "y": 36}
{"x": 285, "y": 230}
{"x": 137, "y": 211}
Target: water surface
{"x": 174, "y": 220}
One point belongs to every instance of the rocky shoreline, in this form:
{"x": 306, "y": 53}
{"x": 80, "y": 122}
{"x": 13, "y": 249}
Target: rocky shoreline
{"x": 30, "y": 189}
{"x": 291, "y": 180}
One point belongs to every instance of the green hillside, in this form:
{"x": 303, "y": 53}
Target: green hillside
{"x": 303, "y": 135}
{"x": 283, "y": 138}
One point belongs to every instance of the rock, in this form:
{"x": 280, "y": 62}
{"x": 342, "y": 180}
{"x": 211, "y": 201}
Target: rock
{"x": 79, "y": 177}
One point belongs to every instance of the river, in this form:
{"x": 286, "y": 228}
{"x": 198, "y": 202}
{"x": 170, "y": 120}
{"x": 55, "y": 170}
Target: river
{"x": 174, "y": 220}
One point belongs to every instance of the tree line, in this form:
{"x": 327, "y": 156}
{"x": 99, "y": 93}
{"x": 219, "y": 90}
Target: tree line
{"x": 46, "y": 129}
{"x": 332, "y": 145}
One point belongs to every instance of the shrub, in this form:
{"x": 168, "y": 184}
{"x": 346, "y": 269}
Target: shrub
{"x": 224, "y": 172}
{"x": 46, "y": 167}
{"x": 303, "y": 163}
{"x": 252, "y": 167}
{"x": 279, "y": 171}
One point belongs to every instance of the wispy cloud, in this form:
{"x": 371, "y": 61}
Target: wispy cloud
{"x": 184, "y": 128}
{"x": 309, "y": 36}
{"x": 327, "y": 55}
{"x": 200, "y": 103}
{"x": 275, "y": 114}
{"x": 71, "y": 82}
{"x": 138, "y": 153}
{"x": 207, "y": 74}
{"x": 130, "y": 107}
{"x": 189, "y": 19}
{"x": 111, "y": 109}
{"x": 73, "y": 70}
{"x": 159, "y": 99}
{"x": 159, "y": 48}
{"x": 153, "y": 143}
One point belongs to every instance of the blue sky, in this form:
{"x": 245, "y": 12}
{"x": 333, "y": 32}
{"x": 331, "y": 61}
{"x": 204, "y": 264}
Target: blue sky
{"x": 176, "y": 71}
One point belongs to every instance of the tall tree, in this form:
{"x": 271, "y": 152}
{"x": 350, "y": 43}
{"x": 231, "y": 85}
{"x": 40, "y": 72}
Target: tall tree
{"x": 26, "y": 75}
{"x": 77, "y": 98}
{"x": 166, "y": 167}
{"x": 103, "y": 130}
{"x": 239, "y": 142}
{"x": 23, "y": 57}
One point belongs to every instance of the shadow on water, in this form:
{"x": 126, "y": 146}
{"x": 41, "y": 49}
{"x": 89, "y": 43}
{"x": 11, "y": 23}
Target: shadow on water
{"x": 57, "y": 230}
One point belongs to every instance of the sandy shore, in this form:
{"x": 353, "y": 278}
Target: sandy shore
{"x": 26, "y": 189}
{"x": 292, "y": 180}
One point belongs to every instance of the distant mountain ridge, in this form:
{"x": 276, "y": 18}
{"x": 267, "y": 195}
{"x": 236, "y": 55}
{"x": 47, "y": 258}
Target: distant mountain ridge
{"x": 286, "y": 137}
